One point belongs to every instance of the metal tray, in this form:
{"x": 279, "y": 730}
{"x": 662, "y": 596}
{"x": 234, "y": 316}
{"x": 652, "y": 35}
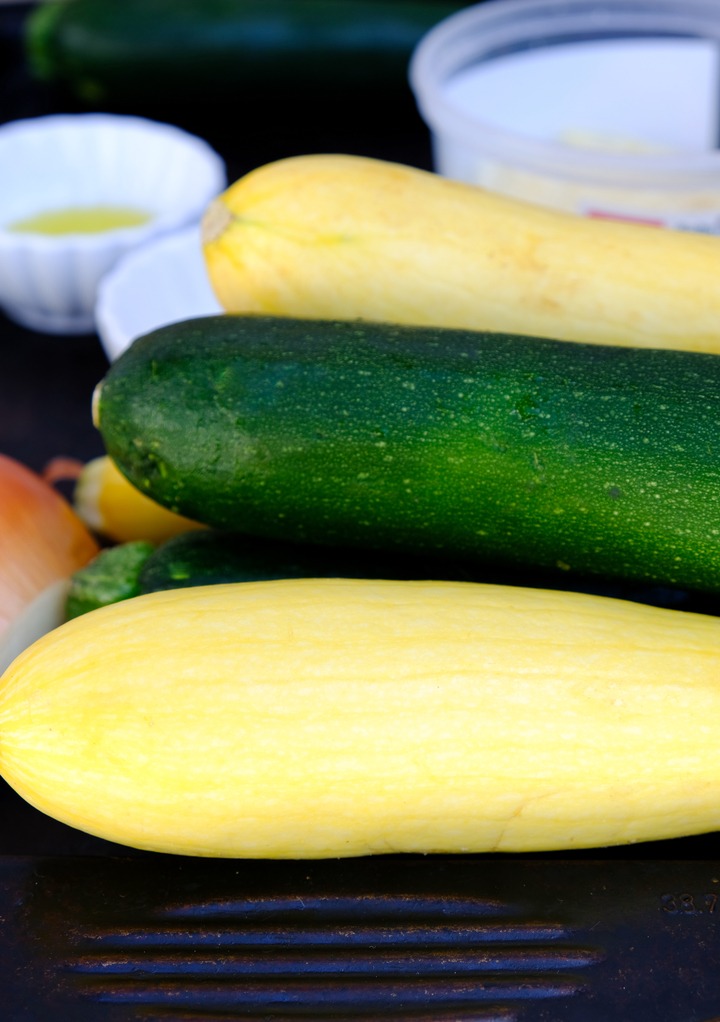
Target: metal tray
{"x": 403, "y": 938}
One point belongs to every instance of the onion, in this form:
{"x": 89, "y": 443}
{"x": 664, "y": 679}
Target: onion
{"x": 42, "y": 542}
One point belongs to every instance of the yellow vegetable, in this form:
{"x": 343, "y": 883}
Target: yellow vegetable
{"x": 313, "y": 718}
{"x": 344, "y": 236}
{"x": 110, "y": 505}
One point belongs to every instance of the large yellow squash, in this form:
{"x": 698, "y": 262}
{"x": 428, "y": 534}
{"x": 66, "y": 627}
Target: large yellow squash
{"x": 332, "y": 717}
{"x": 343, "y": 237}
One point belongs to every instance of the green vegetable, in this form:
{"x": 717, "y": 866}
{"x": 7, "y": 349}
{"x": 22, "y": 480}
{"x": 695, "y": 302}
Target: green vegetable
{"x": 589, "y": 459}
{"x": 208, "y": 557}
{"x": 212, "y": 557}
{"x": 110, "y": 577}
{"x": 167, "y": 50}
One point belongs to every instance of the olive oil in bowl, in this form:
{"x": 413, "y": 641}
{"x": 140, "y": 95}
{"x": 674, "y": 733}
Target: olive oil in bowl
{"x": 80, "y": 220}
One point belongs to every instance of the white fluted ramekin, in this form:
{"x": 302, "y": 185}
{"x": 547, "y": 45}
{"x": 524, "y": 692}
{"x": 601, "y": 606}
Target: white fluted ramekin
{"x": 49, "y": 282}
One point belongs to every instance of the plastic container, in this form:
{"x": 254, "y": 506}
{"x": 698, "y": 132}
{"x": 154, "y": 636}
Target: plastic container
{"x": 608, "y": 108}
{"x": 48, "y": 282}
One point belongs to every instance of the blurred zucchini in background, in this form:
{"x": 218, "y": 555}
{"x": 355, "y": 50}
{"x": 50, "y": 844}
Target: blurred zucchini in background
{"x": 158, "y": 51}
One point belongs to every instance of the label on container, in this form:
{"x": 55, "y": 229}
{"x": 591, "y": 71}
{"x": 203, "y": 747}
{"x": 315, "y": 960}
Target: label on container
{"x": 707, "y": 222}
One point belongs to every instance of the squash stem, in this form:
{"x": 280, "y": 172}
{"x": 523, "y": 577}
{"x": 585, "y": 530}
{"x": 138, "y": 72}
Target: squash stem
{"x": 215, "y": 222}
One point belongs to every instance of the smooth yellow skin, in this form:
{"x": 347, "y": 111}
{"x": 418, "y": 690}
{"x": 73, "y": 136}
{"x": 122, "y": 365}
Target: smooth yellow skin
{"x": 110, "y": 505}
{"x": 313, "y": 718}
{"x": 343, "y": 237}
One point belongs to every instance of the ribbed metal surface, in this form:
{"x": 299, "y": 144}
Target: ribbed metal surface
{"x": 393, "y": 940}
{"x": 325, "y": 954}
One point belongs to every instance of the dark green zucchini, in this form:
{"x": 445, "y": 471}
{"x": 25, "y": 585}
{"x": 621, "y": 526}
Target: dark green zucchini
{"x": 586, "y": 459}
{"x": 203, "y": 557}
{"x": 111, "y": 576}
{"x": 209, "y": 557}
{"x": 161, "y": 51}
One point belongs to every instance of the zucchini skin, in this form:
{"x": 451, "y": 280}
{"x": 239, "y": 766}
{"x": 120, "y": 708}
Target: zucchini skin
{"x": 204, "y": 557}
{"x": 111, "y": 576}
{"x": 156, "y": 50}
{"x": 212, "y": 557}
{"x": 587, "y": 459}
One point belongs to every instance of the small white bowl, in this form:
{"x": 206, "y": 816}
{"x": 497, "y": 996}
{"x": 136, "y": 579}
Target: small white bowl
{"x": 49, "y": 282}
{"x": 162, "y": 282}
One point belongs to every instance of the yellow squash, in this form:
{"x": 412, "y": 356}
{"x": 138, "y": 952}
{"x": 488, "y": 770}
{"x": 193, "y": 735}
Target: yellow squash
{"x": 333, "y": 236}
{"x": 111, "y": 506}
{"x": 328, "y": 717}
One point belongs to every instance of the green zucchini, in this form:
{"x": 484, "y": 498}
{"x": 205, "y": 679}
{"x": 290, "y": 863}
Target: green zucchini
{"x": 588, "y": 459}
{"x": 209, "y": 557}
{"x": 204, "y": 557}
{"x": 160, "y": 51}
{"x": 111, "y": 576}
{"x": 212, "y": 557}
